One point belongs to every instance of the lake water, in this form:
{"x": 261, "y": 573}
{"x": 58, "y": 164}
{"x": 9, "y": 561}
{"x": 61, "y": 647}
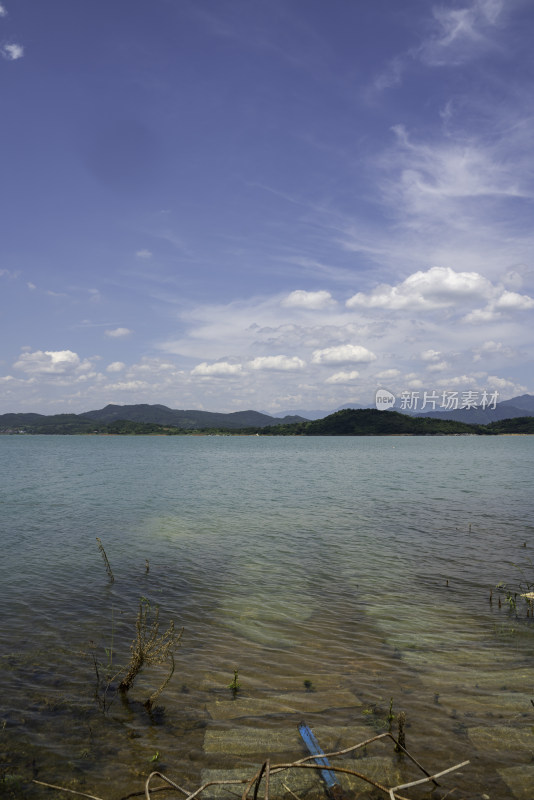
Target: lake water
{"x": 336, "y": 575}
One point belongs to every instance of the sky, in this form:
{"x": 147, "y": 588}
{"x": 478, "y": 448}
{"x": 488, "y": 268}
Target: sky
{"x": 264, "y": 204}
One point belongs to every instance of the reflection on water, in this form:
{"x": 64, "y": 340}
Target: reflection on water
{"x": 333, "y": 573}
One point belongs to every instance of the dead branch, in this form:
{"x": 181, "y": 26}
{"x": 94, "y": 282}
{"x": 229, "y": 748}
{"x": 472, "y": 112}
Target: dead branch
{"x": 64, "y": 789}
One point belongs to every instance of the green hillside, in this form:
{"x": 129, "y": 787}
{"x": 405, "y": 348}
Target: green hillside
{"x": 370, "y": 422}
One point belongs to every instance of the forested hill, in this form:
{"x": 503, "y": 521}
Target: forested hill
{"x": 186, "y": 419}
{"x": 140, "y": 418}
{"x": 370, "y": 422}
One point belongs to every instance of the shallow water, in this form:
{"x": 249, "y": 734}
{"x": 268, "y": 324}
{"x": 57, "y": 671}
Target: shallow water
{"x": 361, "y": 566}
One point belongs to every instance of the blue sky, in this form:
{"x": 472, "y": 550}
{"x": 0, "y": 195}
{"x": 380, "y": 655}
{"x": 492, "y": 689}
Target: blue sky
{"x": 269, "y": 204}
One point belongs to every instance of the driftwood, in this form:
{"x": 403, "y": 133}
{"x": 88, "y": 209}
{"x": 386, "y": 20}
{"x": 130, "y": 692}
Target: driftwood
{"x": 267, "y": 769}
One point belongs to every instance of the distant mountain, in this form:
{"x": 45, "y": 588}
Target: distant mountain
{"x": 142, "y": 413}
{"x": 144, "y": 418}
{"x": 508, "y": 409}
{"x": 524, "y": 401}
{"x": 312, "y": 414}
{"x": 188, "y": 420}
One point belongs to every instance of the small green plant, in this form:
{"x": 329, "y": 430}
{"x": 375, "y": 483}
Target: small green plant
{"x": 155, "y": 757}
{"x": 308, "y": 685}
{"x": 234, "y": 684}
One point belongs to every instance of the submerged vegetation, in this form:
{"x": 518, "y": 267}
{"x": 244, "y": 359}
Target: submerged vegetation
{"x": 150, "y": 647}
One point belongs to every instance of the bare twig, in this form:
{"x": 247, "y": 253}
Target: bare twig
{"x": 64, "y": 789}
{"x": 425, "y": 780}
{"x": 163, "y": 778}
{"x": 106, "y": 562}
{"x": 267, "y": 776}
{"x": 286, "y": 787}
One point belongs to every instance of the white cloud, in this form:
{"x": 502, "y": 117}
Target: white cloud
{"x": 512, "y": 301}
{"x": 438, "y": 287}
{"x": 457, "y": 382}
{"x": 11, "y": 52}
{"x": 388, "y": 373}
{"x": 312, "y": 300}
{"x": 31, "y": 285}
{"x": 115, "y": 366}
{"x": 55, "y": 362}
{"x": 494, "y": 382}
{"x": 146, "y": 254}
{"x": 460, "y": 33}
{"x": 118, "y": 333}
{"x": 504, "y": 301}
{"x": 128, "y": 386}
{"x": 430, "y": 355}
{"x": 220, "y": 369}
{"x": 277, "y": 363}
{"x": 3, "y": 12}
{"x": 343, "y": 377}
{"x": 442, "y": 287}
{"x": 343, "y": 354}
{"x": 440, "y": 366}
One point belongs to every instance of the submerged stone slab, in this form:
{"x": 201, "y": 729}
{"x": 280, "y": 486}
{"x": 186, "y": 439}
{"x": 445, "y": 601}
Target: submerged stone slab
{"x": 520, "y": 780}
{"x": 502, "y": 739}
{"x": 491, "y": 704}
{"x": 302, "y": 703}
{"x": 381, "y": 769}
{"x": 247, "y": 740}
{"x": 480, "y": 677}
{"x": 299, "y": 781}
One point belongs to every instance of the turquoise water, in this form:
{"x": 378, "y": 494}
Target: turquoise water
{"x": 359, "y": 565}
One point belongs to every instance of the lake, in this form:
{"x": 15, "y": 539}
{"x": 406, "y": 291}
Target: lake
{"x": 345, "y": 579}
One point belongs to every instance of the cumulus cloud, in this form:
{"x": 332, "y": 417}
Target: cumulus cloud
{"x": 512, "y": 301}
{"x": 442, "y": 287}
{"x": 494, "y": 349}
{"x": 440, "y": 366}
{"x": 277, "y": 363}
{"x": 12, "y": 51}
{"x": 388, "y": 373}
{"x": 430, "y": 355}
{"x": 128, "y": 386}
{"x": 312, "y": 300}
{"x": 438, "y": 287}
{"x": 343, "y": 354}
{"x": 343, "y": 377}
{"x": 503, "y": 301}
{"x": 118, "y": 333}
{"x": 52, "y": 362}
{"x": 220, "y": 369}
{"x": 115, "y": 366}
